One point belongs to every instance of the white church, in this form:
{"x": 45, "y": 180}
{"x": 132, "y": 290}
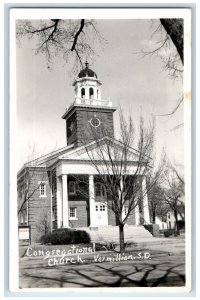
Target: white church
{"x": 49, "y": 194}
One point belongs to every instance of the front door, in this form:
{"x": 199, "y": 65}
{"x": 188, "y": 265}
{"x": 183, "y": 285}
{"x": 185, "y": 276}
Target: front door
{"x": 101, "y": 211}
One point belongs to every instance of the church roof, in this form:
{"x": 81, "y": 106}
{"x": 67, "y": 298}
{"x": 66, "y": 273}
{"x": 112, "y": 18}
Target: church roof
{"x": 83, "y": 153}
{"x": 87, "y": 72}
{"x": 90, "y": 152}
{"x": 47, "y": 159}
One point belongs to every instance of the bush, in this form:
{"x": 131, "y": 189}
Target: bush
{"x": 65, "y": 236}
{"x": 168, "y": 232}
{"x": 109, "y": 246}
{"x": 45, "y": 239}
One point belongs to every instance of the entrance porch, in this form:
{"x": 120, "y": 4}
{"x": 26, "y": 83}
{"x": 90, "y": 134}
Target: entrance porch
{"x": 91, "y": 207}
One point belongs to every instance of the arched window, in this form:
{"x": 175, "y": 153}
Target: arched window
{"x": 91, "y": 93}
{"x": 97, "y": 94}
{"x": 82, "y": 93}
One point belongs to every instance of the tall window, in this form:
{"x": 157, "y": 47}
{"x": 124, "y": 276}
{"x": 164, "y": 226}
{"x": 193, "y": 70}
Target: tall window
{"x": 42, "y": 189}
{"x": 21, "y": 218}
{"x": 25, "y": 214}
{"x": 125, "y": 210}
{"x": 91, "y": 93}
{"x": 72, "y": 188}
{"x": 72, "y": 213}
{"x": 54, "y": 187}
{"x": 140, "y": 206}
{"x": 100, "y": 190}
{"x": 170, "y": 226}
{"x": 20, "y": 191}
{"x": 53, "y": 214}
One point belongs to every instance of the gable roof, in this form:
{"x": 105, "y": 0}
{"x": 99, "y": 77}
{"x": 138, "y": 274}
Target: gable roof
{"x": 85, "y": 153}
{"x": 47, "y": 159}
{"x": 105, "y": 148}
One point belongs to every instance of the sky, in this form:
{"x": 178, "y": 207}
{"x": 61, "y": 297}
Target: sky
{"x": 137, "y": 84}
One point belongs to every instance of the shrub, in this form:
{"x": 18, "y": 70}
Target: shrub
{"x": 46, "y": 239}
{"x": 65, "y": 236}
{"x": 168, "y": 232}
{"x": 109, "y": 246}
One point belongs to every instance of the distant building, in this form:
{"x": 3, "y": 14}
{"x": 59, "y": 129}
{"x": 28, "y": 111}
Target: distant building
{"x": 171, "y": 223}
{"x": 54, "y": 200}
{"x": 161, "y": 222}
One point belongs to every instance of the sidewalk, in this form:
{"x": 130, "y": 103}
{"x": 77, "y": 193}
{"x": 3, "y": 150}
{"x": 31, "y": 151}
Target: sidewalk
{"x": 159, "y": 271}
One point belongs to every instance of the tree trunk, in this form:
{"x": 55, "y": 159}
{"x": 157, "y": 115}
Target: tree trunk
{"x": 121, "y": 238}
{"x": 176, "y": 220}
{"x": 174, "y": 28}
{"x": 154, "y": 217}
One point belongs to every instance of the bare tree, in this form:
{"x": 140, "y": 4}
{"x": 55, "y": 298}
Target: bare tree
{"x": 57, "y": 35}
{"x": 27, "y": 185}
{"x": 174, "y": 191}
{"x": 179, "y": 176}
{"x": 43, "y": 225}
{"x": 29, "y": 180}
{"x": 174, "y": 29}
{"x": 121, "y": 169}
{"x": 67, "y": 37}
{"x": 157, "y": 205}
{"x": 61, "y": 37}
{"x": 167, "y": 42}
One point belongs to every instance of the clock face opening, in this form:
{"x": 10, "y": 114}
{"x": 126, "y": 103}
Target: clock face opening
{"x": 95, "y": 122}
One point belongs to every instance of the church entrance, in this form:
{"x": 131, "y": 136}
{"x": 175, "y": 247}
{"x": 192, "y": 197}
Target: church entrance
{"x": 101, "y": 211}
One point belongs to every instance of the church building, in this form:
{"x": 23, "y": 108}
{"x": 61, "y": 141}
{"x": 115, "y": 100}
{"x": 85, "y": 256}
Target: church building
{"x": 49, "y": 187}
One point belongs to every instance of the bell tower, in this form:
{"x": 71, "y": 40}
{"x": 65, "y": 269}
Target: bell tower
{"x": 88, "y": 114}
{"x": 87, "y": 86}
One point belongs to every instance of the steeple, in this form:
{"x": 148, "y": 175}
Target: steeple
{"x": 88, "y": 110}
{"x": 87, "y": 88}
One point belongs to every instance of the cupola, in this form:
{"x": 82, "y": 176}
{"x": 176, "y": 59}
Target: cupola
{"x": 87, "y": 87}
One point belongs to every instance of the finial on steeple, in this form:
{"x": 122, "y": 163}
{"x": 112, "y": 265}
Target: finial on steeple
{"x": 86, "y": 64}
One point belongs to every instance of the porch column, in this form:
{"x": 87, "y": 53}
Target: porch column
{"x": 145, "y": 201}
{"x": 92, "y": 201}
{"x": 65, "y": 208}
{"x": 78, "y": 92}
{"x": 137, "y": 215}
{"x": 59, "y": 202}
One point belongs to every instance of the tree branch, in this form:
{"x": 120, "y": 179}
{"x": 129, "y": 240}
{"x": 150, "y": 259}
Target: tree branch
{"x": 77, "y": 35}
{"x": 173, "y": 111}
{"x": 174, "y": 28}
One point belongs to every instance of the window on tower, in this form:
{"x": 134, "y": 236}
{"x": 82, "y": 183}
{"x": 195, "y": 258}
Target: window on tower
{"x": 82, "y": 93}
{"x": 91, "y": 93}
